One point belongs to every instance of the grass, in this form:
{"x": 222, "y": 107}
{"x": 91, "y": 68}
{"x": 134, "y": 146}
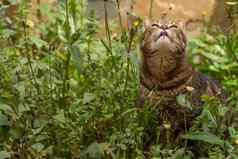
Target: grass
{"x": 65, "y": 93}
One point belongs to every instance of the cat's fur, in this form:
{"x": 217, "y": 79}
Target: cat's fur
{"x": 165, "y": 73}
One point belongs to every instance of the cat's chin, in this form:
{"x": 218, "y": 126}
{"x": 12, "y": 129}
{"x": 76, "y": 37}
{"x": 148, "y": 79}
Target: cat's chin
{"x": 164, "y": 43}
{"x": 164, "y": 39}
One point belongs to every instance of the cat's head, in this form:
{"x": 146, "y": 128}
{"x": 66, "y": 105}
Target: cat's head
{"x": 163, "y": 39}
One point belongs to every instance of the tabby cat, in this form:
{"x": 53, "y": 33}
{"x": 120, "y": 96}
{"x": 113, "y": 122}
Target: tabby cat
{"x": 166, "y": 73}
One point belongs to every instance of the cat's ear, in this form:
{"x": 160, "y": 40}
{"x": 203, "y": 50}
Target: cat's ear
{"x": 182, "y": 25}
{"x": 146, "y": 23}
{"x": 189, "y": 24}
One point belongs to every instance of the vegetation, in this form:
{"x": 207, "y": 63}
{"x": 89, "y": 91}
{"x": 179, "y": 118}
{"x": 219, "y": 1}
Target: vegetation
{"x": 65, "y": 93}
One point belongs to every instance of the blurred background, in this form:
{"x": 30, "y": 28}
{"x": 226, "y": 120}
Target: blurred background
{"x": 212, "y": 11}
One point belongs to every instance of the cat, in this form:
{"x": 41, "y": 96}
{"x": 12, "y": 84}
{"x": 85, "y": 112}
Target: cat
{"x": 165, "y": 73}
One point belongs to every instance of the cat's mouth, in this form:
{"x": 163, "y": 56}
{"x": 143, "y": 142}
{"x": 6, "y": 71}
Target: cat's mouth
{"x": 163, "y": 34}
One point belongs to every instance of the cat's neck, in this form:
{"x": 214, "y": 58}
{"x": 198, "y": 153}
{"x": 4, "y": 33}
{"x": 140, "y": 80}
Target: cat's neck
{"x": 166, "y": 80}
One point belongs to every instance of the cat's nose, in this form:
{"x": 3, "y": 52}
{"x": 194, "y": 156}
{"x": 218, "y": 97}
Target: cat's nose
{"x": 163, "y": 33}
{"x": 160, "y": 34}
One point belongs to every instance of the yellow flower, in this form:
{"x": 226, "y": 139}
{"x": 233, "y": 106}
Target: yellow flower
{"x": 189, "y": 88}
{"x": 136, "y": 23}
{"x": 29, "y": 23}
{"x": 204, "y": 13}
{"x": 171, "y": 6}
{"x": 114, "y": 35}
{"x": 231, "y": 3}
{"x": 167, "y": 125}
{"x": 236, "y": 141}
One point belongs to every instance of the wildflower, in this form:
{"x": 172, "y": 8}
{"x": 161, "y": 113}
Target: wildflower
{"x": 171, "y": 6}
{"x": 167, "y": 125}
{"x": 231, "y": 3}
{"x": 115, "y": 36}
{"x": 136, "y": 23}
{"x": 236, "y": 141}
{"x": 204, "y": 13}
{"x": 29, "y": 23}
{"x": 189, "y": 88}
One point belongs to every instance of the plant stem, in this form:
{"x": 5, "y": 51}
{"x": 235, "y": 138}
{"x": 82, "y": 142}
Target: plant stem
{"x": 66, "y": 85}
{"x": 119, "y": 15}
{"x": 81, "y": 13}
{"x": 151, "y": 9}
{"x": 230, "y": 49}
{"x": 131, "y": 37}
{"x": 28, "y": 56}
{"x": 108, "y": 34}
{"x": 185, "y": 128}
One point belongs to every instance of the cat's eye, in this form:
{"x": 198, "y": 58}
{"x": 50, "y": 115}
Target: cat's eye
{"x": 155, "y": 25}
{"x": 147, "y": 33}
{"x": 173, "y": 26}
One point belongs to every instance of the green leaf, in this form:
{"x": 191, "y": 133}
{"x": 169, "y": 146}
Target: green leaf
{"x": 60, "y": 117}
{"x": 183, "y": 101}
{"x": 45, "y": 9}
{"x": 134, "y": 59}
{"x": 88, "y": 97}
{"x": 93, "y": 151}
{"x": 5, "y": 108}
{"x": 127, "y": 112}
{"x": 96, "y": 150}
{"x": 39, "y": 122}
{"x": 61, "y": 55}
{"x": 181, "y": 154}
{"x": 3, "y": 120}
{"x": 16, "y": 133}
{"x": 38, "y": 42}
{"x": 38, "y": 147}
{"x": 206, "y": 137}
{"x": 75, "y": 51}
{"x": 215, "y": 58}
{"x": 8, "y": 32}
{"x": 23, "y": 108}
{"x": 4, "y": 154}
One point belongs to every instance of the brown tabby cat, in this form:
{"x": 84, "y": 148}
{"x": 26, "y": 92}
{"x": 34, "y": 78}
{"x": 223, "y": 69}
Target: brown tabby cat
{"x": 165, "y": 73}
